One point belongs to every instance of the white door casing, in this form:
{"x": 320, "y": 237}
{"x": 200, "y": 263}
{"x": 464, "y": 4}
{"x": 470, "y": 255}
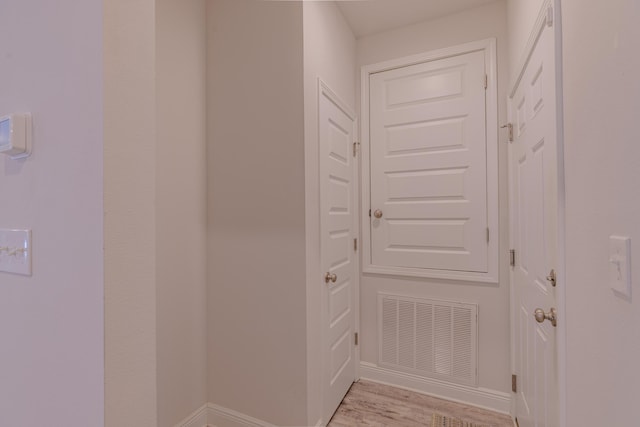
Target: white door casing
{"x": 338, "y": 229}
{"x": 430, "y": 165}
{"x": 534, "y": 182}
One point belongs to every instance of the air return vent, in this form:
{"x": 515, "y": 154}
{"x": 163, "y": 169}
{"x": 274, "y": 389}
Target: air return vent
{"x": 430, "y": 338}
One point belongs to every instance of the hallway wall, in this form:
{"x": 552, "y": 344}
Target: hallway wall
{"x": 130, "y": 213}
{"x": 181, "y": 201}
{"x": 256, "y": 210}
{"x": 474, "y": 24}
{"x": 155, "y": 201}
{"x": 51, "y": 324}
{"x": 601, "y": 42}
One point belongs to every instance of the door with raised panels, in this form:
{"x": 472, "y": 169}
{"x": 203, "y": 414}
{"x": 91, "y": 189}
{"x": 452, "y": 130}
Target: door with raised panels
{"x": 428, "y": 159}
{"x": 533, "y": 157}
{"x": 338, "y": 229}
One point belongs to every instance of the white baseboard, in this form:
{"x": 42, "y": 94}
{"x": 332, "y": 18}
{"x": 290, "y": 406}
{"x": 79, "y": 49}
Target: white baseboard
{"x": 224, "y": 417}
{"x": 476, "y": 396}
{"x": 199, "y": 418}
{"x": 211, "y": 415}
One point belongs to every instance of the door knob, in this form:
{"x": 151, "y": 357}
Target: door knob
{"x": 377, "y": 213}
{"x": 329, "y": 277}
{"x": 541, "y": 316}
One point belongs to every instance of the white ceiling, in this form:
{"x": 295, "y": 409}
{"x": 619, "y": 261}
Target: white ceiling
{"x": 373, "y": 16}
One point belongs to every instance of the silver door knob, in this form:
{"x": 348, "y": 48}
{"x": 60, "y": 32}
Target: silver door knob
{"x": 329, "y": 277}
{"x": 541, "y": 316}
{"x": 377, "y": 213}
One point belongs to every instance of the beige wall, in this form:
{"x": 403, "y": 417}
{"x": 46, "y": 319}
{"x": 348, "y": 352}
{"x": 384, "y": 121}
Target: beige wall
{"x": 181, "y": 199}
{"x": 129, "y": 211}
{"x": 256, "y": 216}
{"x": 51, "y": 323}
{"x": 493, "y": 300}
{"x": 602, "y": 158}
{"x": 155, "y": 211}
{"x": 329, "y": 54}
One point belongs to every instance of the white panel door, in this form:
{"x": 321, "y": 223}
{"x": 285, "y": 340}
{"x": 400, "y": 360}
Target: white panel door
{"x": 534, "y": 198}
{"x": 428, "y": 154}
{"x": 338, "y": 255}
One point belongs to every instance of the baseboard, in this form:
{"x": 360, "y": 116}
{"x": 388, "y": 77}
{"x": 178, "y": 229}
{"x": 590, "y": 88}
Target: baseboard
{"x": 481, "y": 397}
{"x": 219, "y": 416}
{"x": 211, "y": 415}
{"x": 199, "y": 418}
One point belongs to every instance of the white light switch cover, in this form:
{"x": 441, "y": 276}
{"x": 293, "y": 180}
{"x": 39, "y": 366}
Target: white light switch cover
{"x": 620, "y": 265}
{"x": 15, "y": 251}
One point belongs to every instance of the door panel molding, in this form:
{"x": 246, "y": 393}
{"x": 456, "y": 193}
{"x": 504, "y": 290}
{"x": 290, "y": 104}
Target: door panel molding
{"x": 339, "y": 259}
{"x": 547, "y": 25}
{"x": 488, "y": 47}
{"x": 544, "y": 19}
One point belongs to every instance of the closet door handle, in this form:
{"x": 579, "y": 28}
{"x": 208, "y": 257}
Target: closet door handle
{"x": 541, "y": 316}
{"x": 329, "y": 277}
{"x": 377, "y": 213}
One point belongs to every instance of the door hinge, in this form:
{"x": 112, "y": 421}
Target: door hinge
{"x": 512, "y": 257}
{"x": 509, "y": 127}
{"x": 486, "y": 81}
{"x": 514, "y": 383}
{"x": 355, "y": 244}
{"x": 550, "y": 16}
{"x": 487, "y": 235}
{"x": 356, "y": 338}
{"x": 355, "y": 148}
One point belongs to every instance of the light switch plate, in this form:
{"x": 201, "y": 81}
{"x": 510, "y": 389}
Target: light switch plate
{"x": 620, "y": 265}
{"x": 15, "y": 135}
{"x": 15, "y": 251}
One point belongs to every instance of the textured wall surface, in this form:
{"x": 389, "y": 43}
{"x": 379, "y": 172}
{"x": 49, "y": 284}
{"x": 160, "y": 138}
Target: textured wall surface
{"x": 51, "y": 324}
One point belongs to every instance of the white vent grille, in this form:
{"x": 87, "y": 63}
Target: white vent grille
{"x": 431, "y": 338}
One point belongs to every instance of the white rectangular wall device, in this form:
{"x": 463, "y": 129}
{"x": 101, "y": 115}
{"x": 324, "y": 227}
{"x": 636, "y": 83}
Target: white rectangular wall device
{"x": 15, "y": 135}
{"x": 15, "y": 251}
{"x": 620, "y": 265}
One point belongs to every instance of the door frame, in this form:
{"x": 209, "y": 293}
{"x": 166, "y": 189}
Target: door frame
{"x": 549, "y": 15}
{"x": 491, "y": 108}
{"x": 325, "y": 90}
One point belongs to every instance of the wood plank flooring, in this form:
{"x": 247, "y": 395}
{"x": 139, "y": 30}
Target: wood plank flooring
{"x": 373, "y": 404}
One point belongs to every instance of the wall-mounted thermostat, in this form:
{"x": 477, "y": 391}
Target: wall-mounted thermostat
{"x": 15, "y": 135}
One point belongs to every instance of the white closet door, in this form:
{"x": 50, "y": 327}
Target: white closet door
{"x": 338, "y": 255}
{"x": 428, "y": 154}
{"x": 533, "y": 157}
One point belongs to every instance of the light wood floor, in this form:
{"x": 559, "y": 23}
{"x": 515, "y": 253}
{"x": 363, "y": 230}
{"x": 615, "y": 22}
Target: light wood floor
{"x": 373, "y": 404}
